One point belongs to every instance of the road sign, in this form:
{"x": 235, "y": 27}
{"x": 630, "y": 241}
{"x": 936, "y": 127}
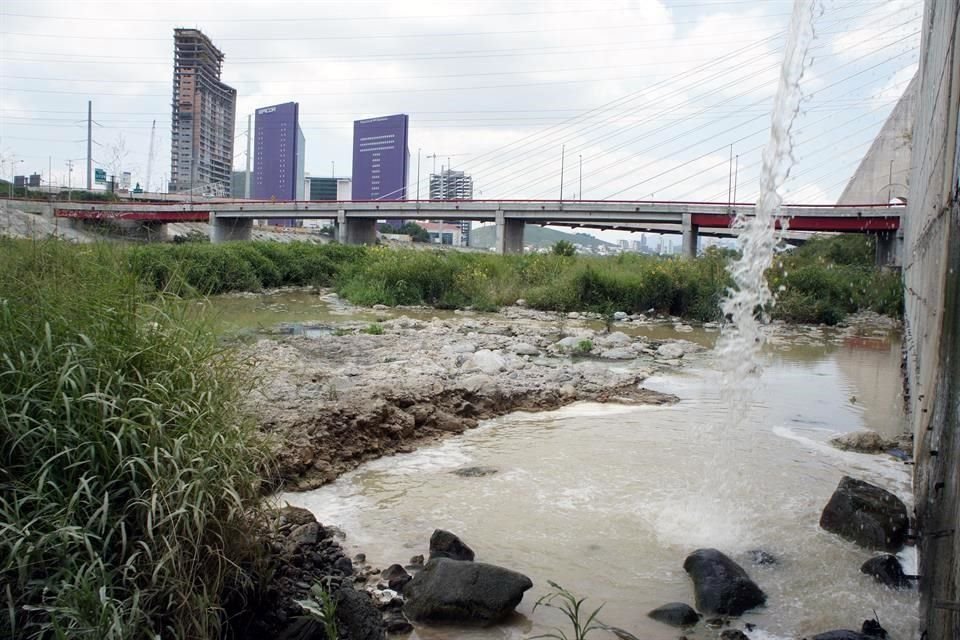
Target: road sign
{"x": 100, "y": 176}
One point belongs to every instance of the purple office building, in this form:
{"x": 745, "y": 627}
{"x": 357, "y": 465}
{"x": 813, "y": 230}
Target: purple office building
{"x": 380, "y": 158}
{"x": 278, "y": 153}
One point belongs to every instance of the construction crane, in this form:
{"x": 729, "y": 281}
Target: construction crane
{"x": 153, "y": 135}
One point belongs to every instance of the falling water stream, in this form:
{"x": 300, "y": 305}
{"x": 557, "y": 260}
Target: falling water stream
{"x": 608, "y": 500}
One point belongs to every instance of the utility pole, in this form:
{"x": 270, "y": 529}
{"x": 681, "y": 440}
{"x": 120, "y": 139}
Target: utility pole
{"x": 730, "y": 180}
{"x": 581, "y": 177}
{"x": 89, "y": 146}
{"x": 246, "y": 182}
{"x": 563, "y": 152}
{"x": 736, "y": 175}
{"x": 50, "y": 173}
{"x": 333, "y": 168}
{"x": 69, "y": 179}
{"x": 153, "y": 135}
{"x": 418, "y": 173}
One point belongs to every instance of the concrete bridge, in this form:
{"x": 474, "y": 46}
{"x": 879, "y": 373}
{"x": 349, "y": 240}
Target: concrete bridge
{"x": 356, "y": 221}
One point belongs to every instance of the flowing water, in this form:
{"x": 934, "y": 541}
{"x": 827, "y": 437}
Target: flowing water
{"x": 604, "y": 499}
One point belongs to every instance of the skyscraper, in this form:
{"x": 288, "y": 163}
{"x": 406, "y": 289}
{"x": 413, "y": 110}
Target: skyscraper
{"x": 278, "y": 153}
{"x": 380, "y": 158}
{"x": 204, "y": 111}
{"x": 453, "y": 185}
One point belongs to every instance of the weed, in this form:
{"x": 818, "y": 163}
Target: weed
{"x": 584, "y": 347}
{"x": 128, "y": 476}
{"x": 322, "y": 606}
{"x": 572, "y": 608}
{"x": 373, "y": 329}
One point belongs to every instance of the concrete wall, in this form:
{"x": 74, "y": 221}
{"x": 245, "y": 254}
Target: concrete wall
{"x": 931, "y": 272}
{"x": 884, "y": 172}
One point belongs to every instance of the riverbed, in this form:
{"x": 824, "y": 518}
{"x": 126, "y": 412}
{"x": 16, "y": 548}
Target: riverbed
{"x": 607, "y": 500}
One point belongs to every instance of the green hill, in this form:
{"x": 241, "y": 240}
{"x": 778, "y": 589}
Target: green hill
{"x": 536, "y": 236}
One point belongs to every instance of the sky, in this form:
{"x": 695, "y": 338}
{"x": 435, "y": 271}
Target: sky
{"x": 636, "y": 99}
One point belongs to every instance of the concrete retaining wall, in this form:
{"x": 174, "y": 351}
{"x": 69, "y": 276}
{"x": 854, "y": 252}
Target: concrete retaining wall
{"x": 931, "y": 275}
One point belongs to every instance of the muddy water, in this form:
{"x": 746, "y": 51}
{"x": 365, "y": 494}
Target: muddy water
{"x": 607, "y": 501}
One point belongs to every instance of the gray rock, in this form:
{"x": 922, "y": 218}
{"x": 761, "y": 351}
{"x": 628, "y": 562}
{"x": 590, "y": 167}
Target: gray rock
{"x": 721, "y": 585}
{"x": 887, "y": 571}
{"x": 357, "y": 617}
{"x": 462, "y": 347}
{"x": 761, "y": 557}
{"x": 444, "y": 544}
{"x": 618, "y": 354}
{"x": 620, "y": 316}
{"x": 475, "y": 472}
{"x": 733, "y": 634}
{"x": 867, "y": 515}
{"x": 463, "y": 592}
{"x": 863, "y": 442}
{"x": 487, "y": 362}
{"x": 304, "y": 534}
{"x": 677, "y": 614}
{"x": 396, "y": 577}
{"x": 670, "y": 351}
{"x": 525, "y": 349}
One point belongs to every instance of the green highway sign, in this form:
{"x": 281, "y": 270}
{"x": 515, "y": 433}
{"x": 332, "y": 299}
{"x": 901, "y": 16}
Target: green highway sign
{"x": 100, "y": 176}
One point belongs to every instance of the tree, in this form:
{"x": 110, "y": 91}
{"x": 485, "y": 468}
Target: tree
{"x": 415, "y": 231}
{"x": 564, "y": 248}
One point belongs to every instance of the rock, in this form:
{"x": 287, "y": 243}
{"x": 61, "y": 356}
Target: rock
{"x": 444, "y": 544}
{"x": 416, "y": 561}
{"x": 396, "y": 577}
{"x": 463, "y": 592}
{"x": 618, "y": 354}
{"x": 462, "y": 347}
{"x": 344, "y": 566}
{"x": 615, "y": 339}
{"x": 487, "y": 362}
{"x": 682, "y": 328}
{"x": 677, "y": 614}
{"x": 840, "y": 634}
{"x": 761, "y": 557}
{"x": 867, "y": 515}
{"x": 670, "y": 351}
{"x": 720, "y": 584}
{"x": 573, "y": 315}
{"x": 295, "y": 516}
{"x": 357, "y": 618}
{"x": 873, "y": 629}
{"x": 568, "y": 344}
{"x": 863, "y": 442}
{"x": 525, "y": 349}
{"x": 520, "y": 303}
{"x": 396, "y": 623}
{"x": 381, "y": 307}
{"x": 304, "y": 534}
{"x": 886, "y": 570}
{"x": 733, "y": 634}
{"x": 475, "y": 472}
{"x": 620, "y": 316}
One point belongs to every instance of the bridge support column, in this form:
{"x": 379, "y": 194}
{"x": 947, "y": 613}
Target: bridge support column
{"x": 227, "y": 229}
{"x": 355, "y": 231}
{"x": 889, "y": 249}
{"x": 509, "y": 234}
{"x": 690, "y": 239}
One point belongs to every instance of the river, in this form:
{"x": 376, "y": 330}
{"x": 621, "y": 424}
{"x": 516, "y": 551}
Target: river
{"x": 608, "y": 500}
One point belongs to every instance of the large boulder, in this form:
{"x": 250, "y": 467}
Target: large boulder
{"x": 357, "y": 617}
{"x": 867, "y": 515}
{"x": 721, "y": 585}
{"x": 444, "y": 544}
{"x": 487, "y": 362}
{"x": 886, "y": 569}
{"x": 453, "y": 591}
{"x": 677, "y": 614}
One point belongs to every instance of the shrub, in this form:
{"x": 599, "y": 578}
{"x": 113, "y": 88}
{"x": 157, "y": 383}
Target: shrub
{"x": 128, "y": 477}
{"x": 374, "y": 329}
{"x": 563, "y": 248}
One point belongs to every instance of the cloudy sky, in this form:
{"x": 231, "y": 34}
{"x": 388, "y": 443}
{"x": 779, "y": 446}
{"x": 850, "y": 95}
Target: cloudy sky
{"x": 648, "y": 94}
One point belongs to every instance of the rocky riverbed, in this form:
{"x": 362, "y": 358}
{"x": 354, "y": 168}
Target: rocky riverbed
{"x": 356, "y": 391}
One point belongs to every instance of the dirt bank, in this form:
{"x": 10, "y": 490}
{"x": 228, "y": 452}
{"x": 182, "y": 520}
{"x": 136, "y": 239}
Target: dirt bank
{"x": 333, "y": 401}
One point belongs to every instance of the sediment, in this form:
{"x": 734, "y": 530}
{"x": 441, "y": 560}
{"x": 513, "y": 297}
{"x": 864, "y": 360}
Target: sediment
{"x": 333, "y": 401}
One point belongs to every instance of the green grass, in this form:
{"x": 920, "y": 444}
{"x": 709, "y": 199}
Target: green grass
{"x": 128, "y": 477}
{"x": 821, "y": 282}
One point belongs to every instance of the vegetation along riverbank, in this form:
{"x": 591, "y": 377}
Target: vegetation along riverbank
{"x": 820, "y": 282}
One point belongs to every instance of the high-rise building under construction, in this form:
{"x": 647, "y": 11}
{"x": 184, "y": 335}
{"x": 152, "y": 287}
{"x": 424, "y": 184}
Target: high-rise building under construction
{"x": 204, "y": 112}
{"x": 453, "y": 185}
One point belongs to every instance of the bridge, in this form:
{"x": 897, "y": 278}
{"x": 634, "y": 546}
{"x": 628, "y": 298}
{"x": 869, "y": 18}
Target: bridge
{"x": 355, "y": 221}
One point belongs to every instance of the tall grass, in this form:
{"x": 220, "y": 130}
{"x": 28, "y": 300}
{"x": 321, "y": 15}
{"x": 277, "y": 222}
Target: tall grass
{"x": 822, "y": 281}
{"x": 128, "y": 478}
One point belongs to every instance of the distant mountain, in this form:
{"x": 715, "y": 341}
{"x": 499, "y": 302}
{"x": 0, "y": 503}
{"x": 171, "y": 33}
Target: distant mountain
{"x": 535, "y": 236}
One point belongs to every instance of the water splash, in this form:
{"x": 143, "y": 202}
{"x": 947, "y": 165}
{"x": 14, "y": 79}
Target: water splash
{"x": 743, "y": 337}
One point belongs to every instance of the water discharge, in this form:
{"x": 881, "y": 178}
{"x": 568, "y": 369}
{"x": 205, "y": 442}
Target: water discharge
{"x": 743, "y": 337}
